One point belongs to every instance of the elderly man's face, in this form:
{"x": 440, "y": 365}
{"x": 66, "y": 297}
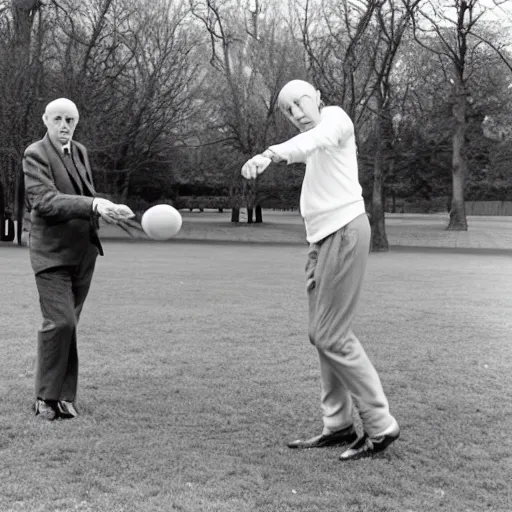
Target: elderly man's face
{"x": 60, "y": 119}
{"x": 299, "y": 102}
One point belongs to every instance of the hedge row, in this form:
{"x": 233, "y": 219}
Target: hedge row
{"x": 204, "y": 202}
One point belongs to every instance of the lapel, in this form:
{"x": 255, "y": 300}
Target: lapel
{"x": 82, "y": 169}
{"x": 59, "y": 165}
{"x": 77, "y": 172}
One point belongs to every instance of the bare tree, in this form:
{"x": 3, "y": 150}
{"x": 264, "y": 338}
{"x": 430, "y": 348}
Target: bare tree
{"x": 19, "y": 86}
{"x": 132, "y": 71}
{"x": 352, "y": 48}
{"x": 393, "y": 20}
{"x": 164, "y": 76}
{"x": 451, "y": 31}
{"x": 498, "y": 39}
{"x": 249, "y": 59}
{"x": 334, "y": 36}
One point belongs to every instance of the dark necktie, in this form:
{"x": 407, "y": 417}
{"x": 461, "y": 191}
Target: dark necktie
{"x": 69, "y": 160}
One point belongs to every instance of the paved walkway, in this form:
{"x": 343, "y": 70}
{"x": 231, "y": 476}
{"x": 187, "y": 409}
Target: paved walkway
{"x": 430, "y": 231}
{"x": 403, "y": 231}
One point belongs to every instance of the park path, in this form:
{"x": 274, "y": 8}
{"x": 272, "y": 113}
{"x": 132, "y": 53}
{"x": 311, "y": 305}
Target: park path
{"x": 429, "y": 231}
{"x": 403, "y": 230}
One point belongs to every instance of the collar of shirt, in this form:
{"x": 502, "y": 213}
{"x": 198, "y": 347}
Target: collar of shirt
{"x": 66, "y": 149}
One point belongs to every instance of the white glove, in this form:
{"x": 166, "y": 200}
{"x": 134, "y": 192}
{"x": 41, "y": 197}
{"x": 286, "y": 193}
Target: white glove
{"x": 256, "y": 165}
{"x": 111, "y": 212}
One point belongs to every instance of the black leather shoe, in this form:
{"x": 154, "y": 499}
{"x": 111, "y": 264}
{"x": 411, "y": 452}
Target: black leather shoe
{"x": 368, "y": 446}
{"x": 45, "y": 410}
{"x": 66, "y": 410}
{"x": 343, "y": 436}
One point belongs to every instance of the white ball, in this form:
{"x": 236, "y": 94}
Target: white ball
{"x": 161, "y": 222}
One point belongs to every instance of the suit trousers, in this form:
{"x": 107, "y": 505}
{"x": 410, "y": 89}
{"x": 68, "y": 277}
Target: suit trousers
{"x": 334, "y": 277}
{"x": 62, "y": 293}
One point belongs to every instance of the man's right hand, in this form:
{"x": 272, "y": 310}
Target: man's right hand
{"x": 255, "y": 166}
{"x": 110, "y": 212}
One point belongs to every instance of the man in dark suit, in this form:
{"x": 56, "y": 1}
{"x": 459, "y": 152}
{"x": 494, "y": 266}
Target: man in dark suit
{"x": 63, "y": 244}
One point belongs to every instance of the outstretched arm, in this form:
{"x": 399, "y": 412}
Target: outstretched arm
{"x": 47, "y": 201}
{"x": 333, "y": 130}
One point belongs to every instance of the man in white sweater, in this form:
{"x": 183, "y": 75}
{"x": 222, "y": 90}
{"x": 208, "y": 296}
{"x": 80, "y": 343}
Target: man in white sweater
{"x": 338, "y": 232}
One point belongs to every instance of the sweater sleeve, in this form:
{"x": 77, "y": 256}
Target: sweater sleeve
{"x": 334, "y": 129}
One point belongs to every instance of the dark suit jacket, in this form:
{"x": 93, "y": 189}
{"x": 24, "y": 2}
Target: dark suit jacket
{"x": 63, "y": 226}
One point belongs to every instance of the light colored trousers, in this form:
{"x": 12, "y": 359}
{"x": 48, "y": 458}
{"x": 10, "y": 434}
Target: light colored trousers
{"x": 334, "y": 276}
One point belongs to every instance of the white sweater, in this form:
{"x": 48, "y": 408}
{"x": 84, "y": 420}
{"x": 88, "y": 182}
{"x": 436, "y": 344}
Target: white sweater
{"x": 331, "y": 195}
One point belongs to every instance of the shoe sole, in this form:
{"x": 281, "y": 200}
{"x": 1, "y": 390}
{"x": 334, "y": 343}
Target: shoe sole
{"x": 303, "y": 445}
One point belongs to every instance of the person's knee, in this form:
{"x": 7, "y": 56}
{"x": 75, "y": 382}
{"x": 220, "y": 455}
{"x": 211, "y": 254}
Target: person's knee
{"x": 340, "y": 342}
{"x": 61, "y": 324}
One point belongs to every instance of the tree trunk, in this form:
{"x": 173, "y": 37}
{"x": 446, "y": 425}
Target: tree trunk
{"x": 23, "y": 12}
{"x": 458, "y": 221}
{"x": 379, "y": 241}
{"x": 24, "y": 87}
{"x": 235, "y": 214}
{"x": 259, "y": 214}
{"x": 125, "y": 187}
{"x": 20, "y": 206}
{"x": 2, "y": 201}
{"x": 249, "y": 215}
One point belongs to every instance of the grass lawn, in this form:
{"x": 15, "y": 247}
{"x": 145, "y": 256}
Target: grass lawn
{"x": 196, "y": 370}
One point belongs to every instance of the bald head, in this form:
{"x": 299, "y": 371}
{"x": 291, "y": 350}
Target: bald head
{"x": 296, "y": 89}
{"x": 60, "y": 118}
{"x": 300, "y": 102}
{"x": 62, "y": 104}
